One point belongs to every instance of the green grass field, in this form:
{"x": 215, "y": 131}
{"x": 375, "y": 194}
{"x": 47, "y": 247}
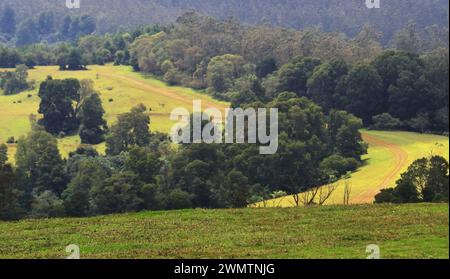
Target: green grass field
{"x": 390, "y": 153}
{"x": 401, "y": 231}
{"x": 120, "y": 83}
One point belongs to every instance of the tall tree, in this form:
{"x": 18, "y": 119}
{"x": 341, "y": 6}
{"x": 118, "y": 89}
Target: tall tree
{"x": 131, "y": 129}
{"x": 27, "y": 33}
{"x": 39, "y": 165}
{"x": 9, "y": 194}
{"x": 93, "y": 126}
{"x": 8, "y": 21}
{"x": 57, "y": 105}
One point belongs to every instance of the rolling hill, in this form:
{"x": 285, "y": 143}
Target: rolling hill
{"x": 120, "y": 89}
{"x": 390, "y": 152}
{"x": 389, "y": 155}
{"x": 401, "y": 231}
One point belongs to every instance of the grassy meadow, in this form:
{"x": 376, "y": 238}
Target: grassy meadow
{"x": 401, "y": 231}
{"x": 120, "y": 90}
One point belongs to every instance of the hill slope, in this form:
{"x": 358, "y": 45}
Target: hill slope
{"x": 389, "y": 155}
{"x": 120, "y": 89}
{"x": 407, "y": 231}
{"x": 331, "y": 15}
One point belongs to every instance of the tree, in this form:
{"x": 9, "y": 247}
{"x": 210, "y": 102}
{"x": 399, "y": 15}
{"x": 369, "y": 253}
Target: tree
{"x": 293, "y": 77}
{"x": 437, "y": 187}
{"x": 237, "y": 190}
{"x": 385, "y": 121}
{"x": 345, "y": 136}
{"x": 266, "y": 67}
{"x": 57, "y": 105}
{"x": 93, "y": 126}
{"x": 119, "y": 193}
{"x": 8, "y": 21}
{"x": 87, "y": 24}
{"x": 27, "y": 33}
{"x": 47, "y": 205}
{"x": 426, "y": 180}
{"x": 9, "y": 207}
{"x": 364, "y": 93}
{"x": 143, "y": 162}
{"x": 76, "y": 196}
{"x": 131, "y": 129}
{"x": 46, "y": 23}
{"x": 14, "y": 82}
{"x": 223, "y": 70}
{"x": 408, "y": 39}
{"x": 323, "y": 82}
{"x": 65, "y": 27}
{"x": 39, "y": 164}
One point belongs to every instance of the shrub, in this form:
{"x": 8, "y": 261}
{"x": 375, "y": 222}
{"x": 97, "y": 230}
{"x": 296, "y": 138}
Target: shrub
{"x": 385, "y": 121}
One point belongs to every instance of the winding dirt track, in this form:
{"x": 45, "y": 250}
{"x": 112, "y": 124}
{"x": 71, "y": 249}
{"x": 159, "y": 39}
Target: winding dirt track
{"x": 400, "y": 160}
{"x": 163, "y": 91}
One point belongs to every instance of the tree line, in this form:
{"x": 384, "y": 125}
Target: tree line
{"x": 388, "y": 89}
{"x": 45, "y": 27}
{"x": 142, "y": 171}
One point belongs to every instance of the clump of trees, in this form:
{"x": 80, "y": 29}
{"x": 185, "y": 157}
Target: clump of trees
{"x": 15, "y": 82}
{"x": 141, "y": 170}
{"x": 426, "y": 180}
{"x": 70, "y": 106}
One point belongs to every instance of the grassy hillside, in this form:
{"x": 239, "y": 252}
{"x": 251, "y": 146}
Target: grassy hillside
{"x": 329, "y": 15}
{"x": 389, "y": 155}
{"x": 406, "y": 231}
{"x": 119, "y": 83}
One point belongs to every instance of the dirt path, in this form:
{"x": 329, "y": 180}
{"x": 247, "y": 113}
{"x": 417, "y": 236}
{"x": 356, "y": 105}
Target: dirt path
{"x": 169, "y": 93}
{"x": 400, "y": 160}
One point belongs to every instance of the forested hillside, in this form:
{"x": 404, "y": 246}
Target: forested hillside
{"x": 333, "y": 15}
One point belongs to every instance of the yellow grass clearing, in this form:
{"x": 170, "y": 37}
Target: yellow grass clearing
{"x": 390, "y": 154}
{"x": 119, "y": 83}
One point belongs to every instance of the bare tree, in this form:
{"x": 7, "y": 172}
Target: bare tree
{"x": 308, "y": 198}
{"x": 347, "y": 192}
{"x": 325, "y": 193}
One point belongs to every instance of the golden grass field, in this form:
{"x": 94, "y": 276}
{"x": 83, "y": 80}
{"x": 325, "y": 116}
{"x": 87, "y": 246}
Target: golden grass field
{"x": 390, "y": 153}
{"x": 120, "y": 83}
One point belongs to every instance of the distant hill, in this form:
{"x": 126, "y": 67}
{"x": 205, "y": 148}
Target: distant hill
{"x": 331, "y": 15}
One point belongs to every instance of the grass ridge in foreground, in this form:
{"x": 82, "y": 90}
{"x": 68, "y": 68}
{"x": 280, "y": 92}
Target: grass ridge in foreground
{"x": 401, "y": 231}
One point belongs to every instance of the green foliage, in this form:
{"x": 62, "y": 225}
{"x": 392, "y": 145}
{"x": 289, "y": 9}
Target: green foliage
{"x": 426, "y": 180}
{"x": 27, "y": 33}
{"x": 119, "y": 193}
{"x": 39, "y": 165}
{"x": 57, "y": 98}
{"x": 47, "y": 205}
{"x": 9, "y": 57}
{"x": 8, "y": 21}
{"x": 14, "y": 82}
{"x": 321, "y": 86}
{"x": 385, "y": 121}
{"x": 77, "y": 198}
{"x": 93, "y": 126}
{"x": 131, "y": 129}
{"x": 9, "y": 194}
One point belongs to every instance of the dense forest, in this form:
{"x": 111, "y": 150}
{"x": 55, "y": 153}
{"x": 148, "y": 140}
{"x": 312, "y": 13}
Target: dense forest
{"x": 326, "y": 86}
{"x": 328, "y": 15}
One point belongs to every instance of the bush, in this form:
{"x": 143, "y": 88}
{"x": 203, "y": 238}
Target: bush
{"x": 338, "y": 165}
{"x": 178, "y": 199}
{"x": 385, "y": 121}
{"x": 47, "y": 205}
